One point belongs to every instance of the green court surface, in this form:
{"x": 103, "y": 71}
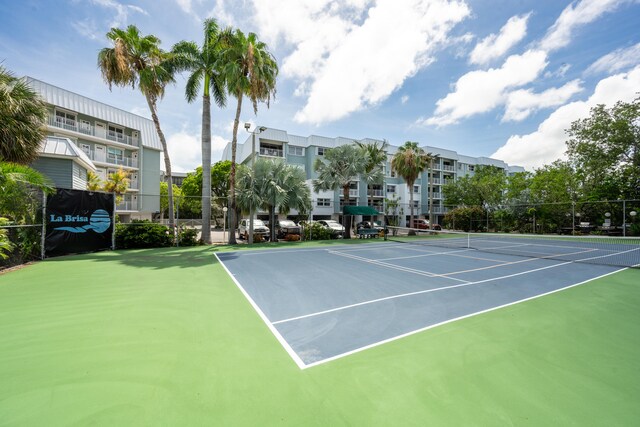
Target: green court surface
{"x": 164, "y": 337}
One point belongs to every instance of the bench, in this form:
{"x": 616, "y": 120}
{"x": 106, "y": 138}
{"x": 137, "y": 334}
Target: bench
{"x": 364, "y": 233}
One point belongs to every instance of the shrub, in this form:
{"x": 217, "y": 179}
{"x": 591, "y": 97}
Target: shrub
{"x": 316, "y": 232}
{"x": 189, "y": 237}
{"x": 292, "y": 237}
{"x": 142, "y": 234}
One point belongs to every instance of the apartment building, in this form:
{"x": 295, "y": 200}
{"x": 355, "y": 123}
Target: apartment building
{"x": 302, "y": 152}
{"x": 87, "y": 135}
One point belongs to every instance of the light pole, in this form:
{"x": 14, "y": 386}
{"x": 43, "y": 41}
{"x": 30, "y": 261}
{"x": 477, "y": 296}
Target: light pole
{"x": 224, "y": 222}
{"x": 632, "y": 214}
{"x": 261, "y": 129}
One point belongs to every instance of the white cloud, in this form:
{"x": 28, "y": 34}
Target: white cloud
{"x": 87, "y": 28}
{"x": 617, "y": 60}
{"x": 220, "y": 13}
{"x": 404, "y": 99}
{"x": 186, "y": 152}
{"x": 521, "y": 103}
{"x": 495, "y": 45}
{"x": 573, "y": 16}
{"x": 547, "y": 143}
{"x": 483, "y": 90}
{"x": 344, "y": 54}
{"x": 560, "y": 72}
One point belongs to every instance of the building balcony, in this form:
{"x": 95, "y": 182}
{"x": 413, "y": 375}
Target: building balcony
{"x": 87, "y": 129}
{"x": 448, "y": 168}
{"x": 376, "y": 193}
{"x": 273, "y": 152}
{"x": 112, "y": 160}
{"x": 127, "y": 205}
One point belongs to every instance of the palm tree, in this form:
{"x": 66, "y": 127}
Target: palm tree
{"x": 376, "y": 156}
{"x": 117, "y": 183}
{"x": 336, "y": 169}
{"x": 94, "y": 183}
{"x": 204, "y": 64}
{"x": 20, "y": 187}
{"x": 138, "y": 61}
{"x": 22, "y": 118}
{"x": 273, "y": 185}
{"x": 409, "y": 162}
{"x": 249, "y": 69}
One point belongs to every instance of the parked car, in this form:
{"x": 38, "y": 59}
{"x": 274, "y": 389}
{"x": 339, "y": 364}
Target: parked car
{"x": 423, "y": 224}
{"x": 259, "y": 229}
{"x": 369, "y": 224}
{"x": 285, "y": 227}
{"x": 337, "y": 229}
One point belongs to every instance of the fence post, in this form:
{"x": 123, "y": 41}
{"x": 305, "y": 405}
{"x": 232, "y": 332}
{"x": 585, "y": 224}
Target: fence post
{"x": 44, "y": 225}
{"x": 624, "y": 218}
{"x": 113, "y": 233}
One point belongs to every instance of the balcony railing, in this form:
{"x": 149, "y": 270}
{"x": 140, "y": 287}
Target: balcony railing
{"x": 127, "y": 205}
{"x": 448, "y": 168}
{"x": 112, "y": 159}
{"x": 376, "y": 193}
{"x": 87, "y": 129}
{"x": 273, "y": 152}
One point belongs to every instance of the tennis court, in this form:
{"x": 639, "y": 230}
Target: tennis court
{"x": 324, "y": 304}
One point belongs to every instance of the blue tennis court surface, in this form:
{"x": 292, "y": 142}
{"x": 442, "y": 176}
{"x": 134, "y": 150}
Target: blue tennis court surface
{"x": 325, "y": 303}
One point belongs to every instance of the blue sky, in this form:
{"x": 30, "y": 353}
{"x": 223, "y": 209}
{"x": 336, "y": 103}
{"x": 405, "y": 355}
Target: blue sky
{"x": 500, "y": 78}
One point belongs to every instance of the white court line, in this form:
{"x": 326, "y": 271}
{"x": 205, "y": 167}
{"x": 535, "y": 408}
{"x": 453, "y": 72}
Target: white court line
{"x": 425, "y": 291}
{"x": 396, "y": 267}
{"x": 424, "y": 255}
{"x": 517, "y": 262}
{"x": 388, "y": 340}
{"x": 264, "y": 318}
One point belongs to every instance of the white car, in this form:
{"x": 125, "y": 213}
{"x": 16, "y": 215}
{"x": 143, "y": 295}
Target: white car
{"x": 337, "y": 229}
{"x": 259, "y": 229}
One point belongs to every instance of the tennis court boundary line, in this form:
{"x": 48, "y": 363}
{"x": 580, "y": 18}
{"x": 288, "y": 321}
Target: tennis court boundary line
{"x": 264, "y": 318}
{"x": 388, "y": 340}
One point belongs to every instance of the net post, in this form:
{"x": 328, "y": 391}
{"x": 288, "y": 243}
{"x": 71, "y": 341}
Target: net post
{"x": 468, "y": 240}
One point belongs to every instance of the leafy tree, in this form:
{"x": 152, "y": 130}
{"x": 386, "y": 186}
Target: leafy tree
{"x": 5, "y": 244}
{"x": 164, "y": 197}
{"x": 605, "y": 151}
{"x": 409, "y": 162}
{"x": 273, "y": 185}
{"x": 249, "y": 70}
{"x": 118, "y": 183}
{"x": 20, "y": 187}
{"x": 138, "y": 61}
{"x": 336, "y": 169}
{"x": 204, "y": 65}
{"x": 553, "y": 189}
{"x": 94, "y": 183}
{"x": 486, "y": 187}
{"x": 22, "y": 118}
{"x": 376, "y": 157}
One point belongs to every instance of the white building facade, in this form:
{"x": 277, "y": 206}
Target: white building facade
{"x": 87, "y": 135}
{"x": 302, "y": 152}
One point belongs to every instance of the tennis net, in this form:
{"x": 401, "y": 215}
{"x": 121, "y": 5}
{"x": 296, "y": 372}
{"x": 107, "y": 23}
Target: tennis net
{"x": 606, "y": 250}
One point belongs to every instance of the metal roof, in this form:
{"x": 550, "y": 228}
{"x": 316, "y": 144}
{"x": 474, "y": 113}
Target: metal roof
{"x": 81, "y": 104}
{"x": 54, "y": 146}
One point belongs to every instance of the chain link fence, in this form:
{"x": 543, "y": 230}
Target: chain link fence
{"x": 21, "y": 228}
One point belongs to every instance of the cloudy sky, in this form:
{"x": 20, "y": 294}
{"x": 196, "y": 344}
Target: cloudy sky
{"x": 499, "y": 78}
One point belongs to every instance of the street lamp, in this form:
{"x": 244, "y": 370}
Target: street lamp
{"x": 632, "y": 214}
{"x": 260, "y": 129}
{"x": 224, "y": 223}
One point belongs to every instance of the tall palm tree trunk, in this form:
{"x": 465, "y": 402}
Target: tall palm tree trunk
{"x": 206, "y": 164}
{"x": 167, "y": 162}
{"x": 411, "y": 204}
{"x": 346, "y": 219}
{"x": 232, "y": 175}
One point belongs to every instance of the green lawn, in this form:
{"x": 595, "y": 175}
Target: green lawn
{"x": 164, "y": 337}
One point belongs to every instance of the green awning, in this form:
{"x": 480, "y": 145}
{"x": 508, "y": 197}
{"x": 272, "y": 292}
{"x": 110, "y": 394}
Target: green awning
{"x": 360, "y": 210}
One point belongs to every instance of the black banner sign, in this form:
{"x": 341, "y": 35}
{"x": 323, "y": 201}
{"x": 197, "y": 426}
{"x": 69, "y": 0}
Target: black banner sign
{"x": 78, "y": 221}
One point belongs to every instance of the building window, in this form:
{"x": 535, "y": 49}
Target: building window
{"x": 117, "y": 133}
{"x": 65, "y": 118}
{"x": 87, "y": 149}
{"x": 323, "y": 202}
{"x": 416, "y": 188}
{"x": 471, "y": 168}
{"x": 114, "y": 153}
{"x": 391, "y": 188}
{"x": 85, "y": 127}
{"x": 322, "y": 151}
{"x": 416, "y": 204}
{"x": 296, "y": 151}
